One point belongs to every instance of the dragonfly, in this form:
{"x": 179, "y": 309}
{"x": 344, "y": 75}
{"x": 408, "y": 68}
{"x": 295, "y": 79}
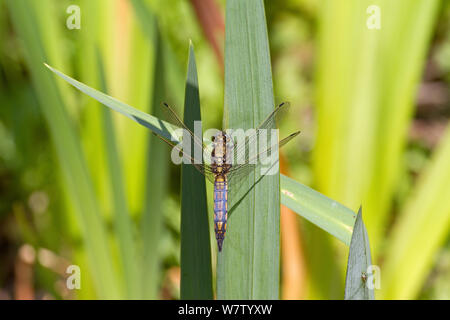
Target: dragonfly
{"x": 229, "y": 161}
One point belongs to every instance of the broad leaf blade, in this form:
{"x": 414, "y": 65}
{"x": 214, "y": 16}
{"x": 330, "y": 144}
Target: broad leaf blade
{"x": 322, "y": 211}
{"x": 248, "y": 267}
{"x": 357, "y": 285}
{"x": 196, "y": 274}
{"x": 156, "y": 125}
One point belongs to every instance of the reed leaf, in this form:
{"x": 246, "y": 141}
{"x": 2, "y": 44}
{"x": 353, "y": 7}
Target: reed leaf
{"x": 248, "y": 267}
{"x": 322, "y": 211}
{"x": 357, "y": 286}
{"x": 156, "y": 125}
{"x": 196, "y": 274}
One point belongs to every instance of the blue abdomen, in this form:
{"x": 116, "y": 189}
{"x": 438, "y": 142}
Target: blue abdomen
{"x": 220, "y": 208}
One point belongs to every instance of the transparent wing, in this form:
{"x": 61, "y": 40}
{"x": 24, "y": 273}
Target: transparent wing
{"x": 177, "y": 121}
{"x": 204, "y": 169}
{"x": 239, "y": 172}
{"x": 254, "y": 161}
{"x": 249, "y": 160}
{"x": 250, "y": 147}
{"x": 273, "y": 117}
{"x": 245, "y": 143}
{"x": 240, "y": 151}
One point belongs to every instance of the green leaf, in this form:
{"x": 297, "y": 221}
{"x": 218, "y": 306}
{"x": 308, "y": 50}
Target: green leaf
{"x": 248, "y": 266}
{"x": 357, "y": 285}
{"x": 156, "y": 125}
{"x": 196, "y": 274}
{"x": 324, "y": 212}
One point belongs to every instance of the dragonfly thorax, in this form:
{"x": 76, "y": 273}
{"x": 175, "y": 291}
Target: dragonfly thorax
{"x": 221, "y": 144}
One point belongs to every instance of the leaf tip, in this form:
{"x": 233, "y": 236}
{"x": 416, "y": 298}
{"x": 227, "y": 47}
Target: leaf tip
{"x": 360, "y": 210}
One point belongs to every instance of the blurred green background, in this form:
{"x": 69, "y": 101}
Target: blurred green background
{"x": 82, "y": 185}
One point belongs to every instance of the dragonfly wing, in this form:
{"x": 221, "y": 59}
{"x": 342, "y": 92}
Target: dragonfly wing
{"x": 177, "y": 120}
{"x": 203, "y": 168}
{"x": 253, "y": 161}
{"x": 246, "y": 142}
{"x": 274, "y": 116}
{"x": 237, "y": 174}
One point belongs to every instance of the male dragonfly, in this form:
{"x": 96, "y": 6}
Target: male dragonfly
{"x": 223, "y": 166}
